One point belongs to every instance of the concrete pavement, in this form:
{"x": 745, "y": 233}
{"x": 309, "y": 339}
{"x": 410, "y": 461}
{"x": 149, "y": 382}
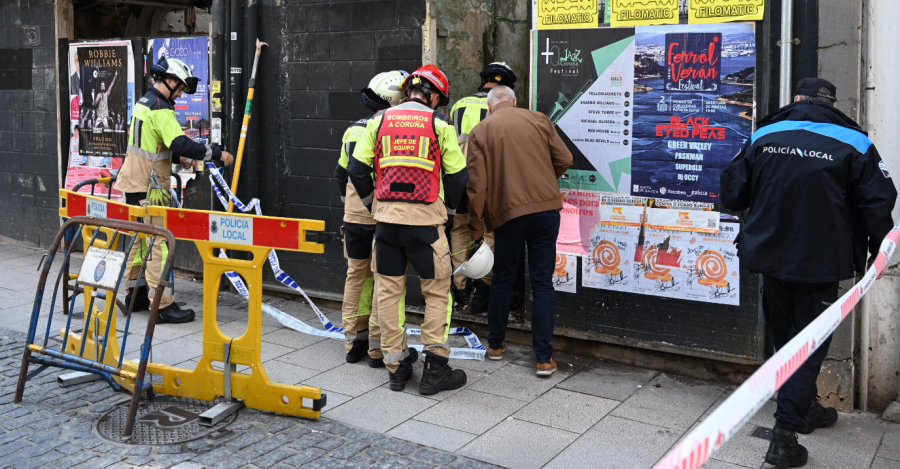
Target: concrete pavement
{"x": 592, "y": 413}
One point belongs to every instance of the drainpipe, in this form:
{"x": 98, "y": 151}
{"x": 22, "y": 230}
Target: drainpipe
{"x": 217, "y": 68}
{"x": 235, "y": 75}
{"x": 786, "y": 43}
{"x": 881, "y": 313}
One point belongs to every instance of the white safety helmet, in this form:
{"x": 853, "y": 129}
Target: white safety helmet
{"x": 384, "y": 90}
{"x": 174, "y": 68}
{"x": 479, "y": 265}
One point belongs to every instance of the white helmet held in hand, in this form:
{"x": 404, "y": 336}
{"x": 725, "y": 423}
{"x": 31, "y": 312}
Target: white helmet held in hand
{"x": 479, "y": 265}
{"x": 384, "y": 90}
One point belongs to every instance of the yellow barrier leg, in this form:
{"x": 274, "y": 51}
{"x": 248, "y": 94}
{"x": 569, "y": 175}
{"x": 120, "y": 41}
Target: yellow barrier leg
{"x": 255, "y": 388}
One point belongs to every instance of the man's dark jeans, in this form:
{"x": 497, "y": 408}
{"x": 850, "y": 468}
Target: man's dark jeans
{"x": 538, "y": 231}
{"x": 789, "y": 307}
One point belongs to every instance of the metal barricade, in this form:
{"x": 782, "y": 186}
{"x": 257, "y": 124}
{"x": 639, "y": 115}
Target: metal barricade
{"x": 215, "y": 375}
{"x": 100, "y": 278}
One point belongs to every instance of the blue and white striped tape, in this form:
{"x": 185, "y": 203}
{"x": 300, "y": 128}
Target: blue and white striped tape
{"x": 475, "y": 351}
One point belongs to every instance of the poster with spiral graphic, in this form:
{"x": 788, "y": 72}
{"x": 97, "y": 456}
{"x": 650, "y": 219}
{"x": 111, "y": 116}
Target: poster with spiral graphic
{"x": 611, "y": 260}
{"x": 712, "y": 268}
{"x": 565, "y": 273}
{"x": 660, "y": 271}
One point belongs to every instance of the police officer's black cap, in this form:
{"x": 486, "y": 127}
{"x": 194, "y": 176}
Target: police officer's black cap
{"x": 816, "y": 87}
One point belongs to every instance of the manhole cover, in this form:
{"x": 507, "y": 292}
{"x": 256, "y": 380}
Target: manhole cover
{"x": 163, "y": 421}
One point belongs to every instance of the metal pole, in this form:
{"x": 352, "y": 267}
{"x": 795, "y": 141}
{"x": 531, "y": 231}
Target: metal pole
{"x": 787, "y": 44}
{"x": 249, "y": 107}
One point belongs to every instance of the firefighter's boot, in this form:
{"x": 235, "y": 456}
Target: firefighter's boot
{"x": 438, "y": 376}
{"x": 399, "y": 378}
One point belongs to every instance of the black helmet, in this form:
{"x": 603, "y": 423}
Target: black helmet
{"x": 500, "y": 73}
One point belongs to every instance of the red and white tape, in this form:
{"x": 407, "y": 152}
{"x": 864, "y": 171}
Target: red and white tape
{"x": 695, "y": 449}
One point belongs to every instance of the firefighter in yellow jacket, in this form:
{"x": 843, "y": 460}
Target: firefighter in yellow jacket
{"x": 420, "y": 175}
{"x": 155, "y": 141}
{"x": 466, "y": 114}
{"x": 359, "y": 230}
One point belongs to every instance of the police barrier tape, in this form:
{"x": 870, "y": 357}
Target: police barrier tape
{"x": 475, "y": 352}
{"x": 696, "y": 448}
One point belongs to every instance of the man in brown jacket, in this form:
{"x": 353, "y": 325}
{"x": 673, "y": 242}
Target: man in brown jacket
{"x": 515, "y": 157}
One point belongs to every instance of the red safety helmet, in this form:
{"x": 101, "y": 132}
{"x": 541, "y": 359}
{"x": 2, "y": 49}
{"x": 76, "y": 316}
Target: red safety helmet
{"x": 429, "y": 78}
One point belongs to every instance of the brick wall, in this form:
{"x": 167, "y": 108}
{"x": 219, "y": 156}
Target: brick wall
{"x": 29, "y": 167}
{"x": 329, "y": 51}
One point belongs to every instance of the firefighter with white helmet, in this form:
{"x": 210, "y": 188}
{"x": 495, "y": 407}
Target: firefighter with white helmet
{"x": 360, "y": 329}
{"x": 155, "y": 141}
{"x": 420, "y": 176}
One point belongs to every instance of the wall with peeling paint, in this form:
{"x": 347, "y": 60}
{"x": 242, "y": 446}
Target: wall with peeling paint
{"x": 471, "y": 34}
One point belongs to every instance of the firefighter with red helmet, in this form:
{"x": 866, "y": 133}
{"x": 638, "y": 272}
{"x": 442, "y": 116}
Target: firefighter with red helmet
{"x": 420, "y": 176}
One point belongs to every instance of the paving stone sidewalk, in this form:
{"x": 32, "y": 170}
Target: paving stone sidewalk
{"x": 590, "y": 414}
{"x": 54, "y": 427}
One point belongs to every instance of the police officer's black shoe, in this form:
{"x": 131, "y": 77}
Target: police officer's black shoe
{"x": 819, "y": 417}
{"x": 359, "y": 350}
{"x": 376, "y": 362}
{"x": 784, "y": 450}
{"x": 438, "y": 376}
{"x": 173, "y": 314}
{"x": 481, "y": 296}
{"x": 404, "y": 372}
{"x": 142, "y": 302}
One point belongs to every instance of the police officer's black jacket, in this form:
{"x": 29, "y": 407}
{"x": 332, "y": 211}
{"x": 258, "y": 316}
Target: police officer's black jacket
{"x": 816, "y": 192}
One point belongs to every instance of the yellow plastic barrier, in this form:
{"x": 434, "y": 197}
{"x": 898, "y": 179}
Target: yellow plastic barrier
{"x": 210, "y": 230}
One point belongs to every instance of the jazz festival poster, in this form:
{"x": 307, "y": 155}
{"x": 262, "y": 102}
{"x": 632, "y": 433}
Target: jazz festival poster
{"x": 101, "y": 93}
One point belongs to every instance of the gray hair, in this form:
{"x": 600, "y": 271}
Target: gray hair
{"x": 500, "y": 94}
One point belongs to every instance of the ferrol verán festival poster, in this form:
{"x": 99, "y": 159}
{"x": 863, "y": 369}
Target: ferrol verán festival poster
{"x": 694, "y": 91}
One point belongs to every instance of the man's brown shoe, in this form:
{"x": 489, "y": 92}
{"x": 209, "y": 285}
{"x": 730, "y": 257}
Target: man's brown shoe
{"x": 496, "y": 353}
{"x": 546, "y": 369}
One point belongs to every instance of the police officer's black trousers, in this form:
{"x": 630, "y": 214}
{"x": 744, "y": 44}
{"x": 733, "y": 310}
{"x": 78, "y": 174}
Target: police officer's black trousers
{"x": 789, "y": 307}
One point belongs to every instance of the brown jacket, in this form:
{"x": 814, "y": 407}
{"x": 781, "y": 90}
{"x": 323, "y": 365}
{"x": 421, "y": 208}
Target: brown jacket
{"x": 515, "y": 157}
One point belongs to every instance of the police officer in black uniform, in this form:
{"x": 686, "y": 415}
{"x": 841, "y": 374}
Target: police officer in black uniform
{"x": 817, "y": 197}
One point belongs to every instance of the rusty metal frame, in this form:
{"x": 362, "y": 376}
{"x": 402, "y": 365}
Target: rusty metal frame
{"x": 87, "y": 359}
